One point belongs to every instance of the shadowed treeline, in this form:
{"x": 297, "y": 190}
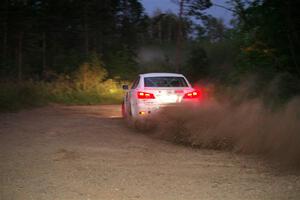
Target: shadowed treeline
{"x": 46, "y": 45}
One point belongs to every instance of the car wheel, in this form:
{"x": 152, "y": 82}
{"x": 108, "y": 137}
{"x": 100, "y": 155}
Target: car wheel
{"x": 123, "y": 110}
{"x": 127, "y": 116}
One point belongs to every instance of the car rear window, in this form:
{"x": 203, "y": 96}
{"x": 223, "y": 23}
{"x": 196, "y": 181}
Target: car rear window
{"x": 165, "y": 82}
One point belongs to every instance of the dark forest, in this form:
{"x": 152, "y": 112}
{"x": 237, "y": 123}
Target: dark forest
{"x": 75, "y": 51}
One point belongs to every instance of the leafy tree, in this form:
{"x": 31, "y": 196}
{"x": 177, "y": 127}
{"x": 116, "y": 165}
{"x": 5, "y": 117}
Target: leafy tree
{"x": 270, "y": 38}
{"x": 90, "y": 74}
{"x": 122, "y": 64}
{"x": 215, "y": 29}
{"x": 187, "y": 8}
{"x": 197, "y": 63}
{"x": 164, "y": 27}
{"x": 45, "y": 35}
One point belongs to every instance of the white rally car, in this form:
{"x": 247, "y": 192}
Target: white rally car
{"x": 152, "y": 91}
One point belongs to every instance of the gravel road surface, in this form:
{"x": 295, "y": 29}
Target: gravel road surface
{"x": 88, "y": 153}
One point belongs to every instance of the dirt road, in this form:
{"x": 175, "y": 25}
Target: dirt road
{"x": 87, "y": 153}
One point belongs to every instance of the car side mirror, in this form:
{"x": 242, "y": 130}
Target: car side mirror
{"x": 125, "y": 87}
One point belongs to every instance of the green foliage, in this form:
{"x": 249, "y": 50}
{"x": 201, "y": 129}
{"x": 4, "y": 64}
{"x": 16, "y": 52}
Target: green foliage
{"x": 267, "y": 35}
{"x": 158, "y": 57}
{"x": 164, "y": 28}
{"x": 197, "y": 63}
{"x": 65, "y": 36}
{"x": 87, "y": 85}
{"x": 65, "y": 92}
{"x": 268, "y": 38}
{"x": 214, "y": 29}
{"x": 14, "y": 96}
{"x": 195, "y": 7}
{"x": 90, "y": 74}
{"x": 60, "y": 35}
{"x": 212, "y": 54}
{"x": 122, "y": 64}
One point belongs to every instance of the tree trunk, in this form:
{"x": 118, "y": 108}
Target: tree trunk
{"x": 179, "y": 37}
{"x": 169, "y": 31}
{"x": 290, "y": 34}
{"x": 4, "y": 41}
{"x": 160, "y": 31}
{"x": 44, "y": 52}
{"x": 5, "y": 32}
{"x": 86, "y": 31}
{"x": 20, "y": 56}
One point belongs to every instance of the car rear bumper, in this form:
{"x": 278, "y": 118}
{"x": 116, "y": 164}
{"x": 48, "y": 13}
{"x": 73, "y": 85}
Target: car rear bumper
{"x": 149, "y": 109}
{"x": 146, "y": 110}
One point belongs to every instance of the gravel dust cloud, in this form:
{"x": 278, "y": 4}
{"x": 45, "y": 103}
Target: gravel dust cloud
{"x": 247, "y": 127}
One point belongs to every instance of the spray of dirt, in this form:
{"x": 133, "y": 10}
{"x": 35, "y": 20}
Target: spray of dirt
{"x": 245, "y": 127}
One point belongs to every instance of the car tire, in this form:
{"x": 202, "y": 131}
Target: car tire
{"x": 127, "y": 115}
{"x": 124, "y": 115}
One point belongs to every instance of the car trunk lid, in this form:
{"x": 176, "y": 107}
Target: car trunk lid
{"x": 168, "y": 95}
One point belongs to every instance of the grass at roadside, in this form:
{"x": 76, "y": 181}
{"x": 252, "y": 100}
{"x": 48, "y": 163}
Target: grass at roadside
{"x": 71, "y": 93}
{"x": 16, "y": 96}
{"x": 89, "y": 84}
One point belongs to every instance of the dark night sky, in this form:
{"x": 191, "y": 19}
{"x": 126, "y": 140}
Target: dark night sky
{"x": 164, "y": 5}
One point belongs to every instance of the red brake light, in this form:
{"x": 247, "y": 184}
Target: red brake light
{"x": 145, "y": 95}
{"x": 192, "y": 95}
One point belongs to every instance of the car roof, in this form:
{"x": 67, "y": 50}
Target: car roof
{"x": 160, "y": 74}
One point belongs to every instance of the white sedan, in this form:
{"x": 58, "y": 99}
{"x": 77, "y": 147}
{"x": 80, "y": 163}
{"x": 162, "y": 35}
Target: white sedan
{"x": 152, "y": 91}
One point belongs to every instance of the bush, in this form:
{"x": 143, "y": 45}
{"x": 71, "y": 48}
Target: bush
{"x": 87, "y": 85}
{"x": 68, "y": 92}
{"x": 14, "y": 96}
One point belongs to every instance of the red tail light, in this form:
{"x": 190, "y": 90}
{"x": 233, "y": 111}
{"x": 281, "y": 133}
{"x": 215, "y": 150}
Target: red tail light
{"x": 192, "y": 95}
{"x": 145, "y": 95}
